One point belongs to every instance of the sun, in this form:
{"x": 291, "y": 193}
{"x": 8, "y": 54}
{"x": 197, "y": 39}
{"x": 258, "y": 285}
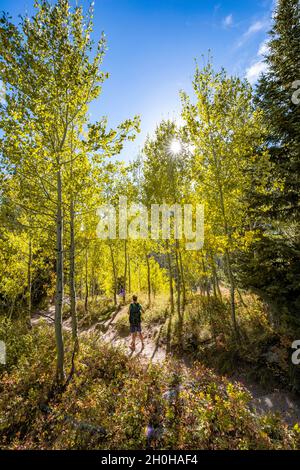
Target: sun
{"x": 175, "y": 147}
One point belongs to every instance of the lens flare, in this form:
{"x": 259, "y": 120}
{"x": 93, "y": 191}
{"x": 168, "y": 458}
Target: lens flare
{"x": 175, "y": 147}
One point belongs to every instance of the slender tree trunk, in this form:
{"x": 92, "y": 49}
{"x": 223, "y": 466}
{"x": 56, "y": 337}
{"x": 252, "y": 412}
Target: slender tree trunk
{"x": 227, "y": 233}
{"x": 241, "y": 298}
{"x": 148, "y": 280}
{"x": 59, "y": 283}
{"x": 139, "y": 276}
{"x": 171, "y": 282}
{"x": 230, "y": 274}
{"x": 92, "y": 283}
{"x": 213, "y": 270}
{"x": 178, "y": 297}
{"x": 80, "y": 287}
{"x": 214, "y": 286}
{"x": 217, "y": 291}
{"x": 204, "y": 288}
{"x": 86, "y": 297}
{"x": 232, "y": 295}
{"x": 183, "y": 282}
{"x": 129, "y": 276}
{"x": 72, "y": 274}
{"x": 207, "y": 285}
{"x": 12, "y": 308}
{"x": 114, "y": 274}
{"x": 179, "y": 313}
{"x": 218, "y": 287}
{"x": 29, "y": 280}
{"x": 125, "y": 271}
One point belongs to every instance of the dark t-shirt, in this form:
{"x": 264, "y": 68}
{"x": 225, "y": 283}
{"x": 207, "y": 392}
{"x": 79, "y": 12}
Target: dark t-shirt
{"x": 135, "y": 313}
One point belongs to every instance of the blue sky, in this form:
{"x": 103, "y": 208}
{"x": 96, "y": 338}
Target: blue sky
{"x": 152, "y": 45}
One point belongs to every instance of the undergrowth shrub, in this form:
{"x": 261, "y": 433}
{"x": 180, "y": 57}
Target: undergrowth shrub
{"x": 122, "y": 324}
{"x": 99, "y": 309}
{"x": 138, "y": 405}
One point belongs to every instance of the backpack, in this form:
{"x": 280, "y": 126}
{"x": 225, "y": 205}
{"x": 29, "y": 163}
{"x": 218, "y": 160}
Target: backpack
{"x": 135, "y": 314}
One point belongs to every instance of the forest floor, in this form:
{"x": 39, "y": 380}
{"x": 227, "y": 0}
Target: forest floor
{"x": 276, "y": 400}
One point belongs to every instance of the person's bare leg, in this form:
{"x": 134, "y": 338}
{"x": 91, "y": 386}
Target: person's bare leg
{"x": 132, "y": 346}
{"x": 141, "y": 338}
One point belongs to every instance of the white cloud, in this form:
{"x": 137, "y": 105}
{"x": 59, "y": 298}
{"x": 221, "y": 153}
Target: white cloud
{"x": 254, "y": 71}
{"x": 263, "y": 48}
{"x": 228, "y": 21}
{"x": 253, "y": 29}
{"x": 259, "y": 66}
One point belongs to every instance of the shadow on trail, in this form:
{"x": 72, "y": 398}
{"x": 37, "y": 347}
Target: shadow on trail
{"x": 169, "y": 333}
{"x": 137, "y": 353}
{"x": 112, "y": 318}
{"x": 166, "y": 411}
{"x": 156, "y": 343}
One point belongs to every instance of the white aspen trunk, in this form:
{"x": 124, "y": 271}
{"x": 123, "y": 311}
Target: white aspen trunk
{"x": 148, "y": 280}
{"x": 59, "y": 283}
{"x": 29, "y": 280}
{"x": 72, "y": 275}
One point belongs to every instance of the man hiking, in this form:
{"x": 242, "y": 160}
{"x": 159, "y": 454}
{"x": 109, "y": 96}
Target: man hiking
{"x": 135, "y": 310}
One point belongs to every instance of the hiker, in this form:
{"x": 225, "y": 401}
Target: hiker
{"x": 135, "y": 310}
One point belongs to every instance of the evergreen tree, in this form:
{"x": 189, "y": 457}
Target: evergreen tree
{"x": 277, "y": 97}
{"x": 272, "y": 265}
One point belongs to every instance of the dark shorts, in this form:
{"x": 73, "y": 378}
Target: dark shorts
{"x": 135, "y": 328}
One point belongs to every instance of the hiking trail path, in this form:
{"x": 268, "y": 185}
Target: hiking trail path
{"x": 278, "y": 401}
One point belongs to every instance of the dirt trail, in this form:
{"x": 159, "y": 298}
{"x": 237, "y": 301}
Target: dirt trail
{"x": 282, "y": 402}
{"x": 108, "y": 333}
{"x": 279, "y": 401}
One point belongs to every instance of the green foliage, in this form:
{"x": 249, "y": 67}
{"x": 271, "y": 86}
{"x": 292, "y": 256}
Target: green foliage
{"x": 155, "y": 316}
{"x": 122, "y": 325}
{"x": 99, "y": 310}
{"x": 17, "y": 342}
